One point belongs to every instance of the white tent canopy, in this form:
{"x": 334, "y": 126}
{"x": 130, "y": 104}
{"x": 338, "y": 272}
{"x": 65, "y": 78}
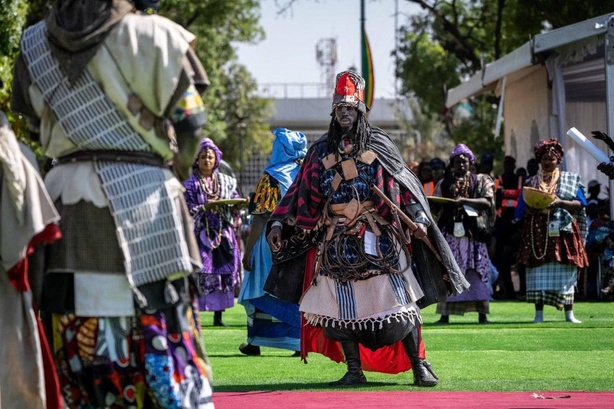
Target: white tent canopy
{"x": 560, "y": 79}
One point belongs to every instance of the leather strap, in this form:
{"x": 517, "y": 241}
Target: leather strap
{"x": 142, "y": 158}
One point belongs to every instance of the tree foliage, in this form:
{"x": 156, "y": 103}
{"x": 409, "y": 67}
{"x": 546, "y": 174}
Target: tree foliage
{"x": 450, "y": 40}
{"x": 236, "y": 114}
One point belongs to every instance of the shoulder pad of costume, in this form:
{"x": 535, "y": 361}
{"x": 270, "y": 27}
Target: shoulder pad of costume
{"x": 367, "y": 157}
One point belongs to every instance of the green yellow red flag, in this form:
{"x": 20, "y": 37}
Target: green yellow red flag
{"x": 367, "y": 69}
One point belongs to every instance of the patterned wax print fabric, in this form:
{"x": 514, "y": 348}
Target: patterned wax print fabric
{"x": 217, "y": 242}
{"x": 470, "y": 252}
{"x": 271, "y": 322}
{"x": 151, "y": 360}
{"x": 566, "y": 247}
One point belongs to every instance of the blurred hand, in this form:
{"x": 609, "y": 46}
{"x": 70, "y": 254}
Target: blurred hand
{"x": 555, "y": 203}
{"x": 607, "y": 168}
{"x": 274, "y": 239}
{"x": 187, "y": 149}
{"x": 247, "y": 262}
{"x": 421, "y": 231}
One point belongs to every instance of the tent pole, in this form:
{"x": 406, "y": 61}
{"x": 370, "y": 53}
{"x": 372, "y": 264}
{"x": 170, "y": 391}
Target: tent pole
{"x": 609, "y": 99}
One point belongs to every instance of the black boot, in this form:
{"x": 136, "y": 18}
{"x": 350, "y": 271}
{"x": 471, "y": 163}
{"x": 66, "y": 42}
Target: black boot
{"x": 445, "y": 319}
{"x": 217, "y": 319}
{"x": 249, "y": 349}
{"x": 483, "y": 319}
{"x": 424, "y": 375}
{"x": 354, "y": 375}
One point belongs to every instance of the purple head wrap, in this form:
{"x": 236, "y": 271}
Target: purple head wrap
{"x": 207, "y": 143}
{"x": 462, "y": 149}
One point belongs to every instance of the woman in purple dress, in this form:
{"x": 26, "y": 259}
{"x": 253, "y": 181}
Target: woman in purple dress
{"x": 213, "y": 226}
{"x": 465, "y": 222}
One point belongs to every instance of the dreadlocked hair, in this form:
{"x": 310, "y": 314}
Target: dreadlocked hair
{"x": 361, "y": 129}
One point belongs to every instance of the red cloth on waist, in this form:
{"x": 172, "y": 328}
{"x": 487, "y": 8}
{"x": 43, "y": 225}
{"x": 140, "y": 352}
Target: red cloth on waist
{"x": 389, "y": 359}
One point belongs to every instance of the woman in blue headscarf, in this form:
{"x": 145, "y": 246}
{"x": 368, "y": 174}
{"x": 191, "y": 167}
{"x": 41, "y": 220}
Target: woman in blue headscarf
{"x": 465, "y": 222}
{"x": 213, "y": 227}
{"x": 271, "y": 322}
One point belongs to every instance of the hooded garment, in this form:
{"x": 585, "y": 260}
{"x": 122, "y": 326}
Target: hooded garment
{"x": 289, "y": 147}
{"x": 27, "y": 376}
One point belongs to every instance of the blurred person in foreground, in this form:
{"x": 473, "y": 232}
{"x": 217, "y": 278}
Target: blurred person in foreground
{"x": 466, "y": 223}
{"x": 554, "y": 247}
{"x": 271, "y": 322}
{"x": 29, "y": 220}
{"x": 110, "y": 91}
{"x": 342, "y": 252}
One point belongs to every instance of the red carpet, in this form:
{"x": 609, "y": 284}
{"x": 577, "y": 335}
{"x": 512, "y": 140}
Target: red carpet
{"x": 421, "y": 399}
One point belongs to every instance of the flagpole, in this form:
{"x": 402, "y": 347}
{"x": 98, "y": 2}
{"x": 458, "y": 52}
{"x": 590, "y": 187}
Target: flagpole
{"x": 363, "y": 61}
{"x": 367, "y": 62}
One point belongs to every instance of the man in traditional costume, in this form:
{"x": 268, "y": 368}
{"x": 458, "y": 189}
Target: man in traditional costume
{"x": 106, "y": 87}
{"x": 347, "y": 245}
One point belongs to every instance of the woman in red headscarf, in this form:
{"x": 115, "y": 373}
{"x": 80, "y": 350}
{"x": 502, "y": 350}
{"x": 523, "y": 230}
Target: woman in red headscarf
{"x": 554, "y": 247}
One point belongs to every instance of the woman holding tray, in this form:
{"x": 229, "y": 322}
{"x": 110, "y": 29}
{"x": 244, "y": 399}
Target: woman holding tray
{"x": 209, "y": 195}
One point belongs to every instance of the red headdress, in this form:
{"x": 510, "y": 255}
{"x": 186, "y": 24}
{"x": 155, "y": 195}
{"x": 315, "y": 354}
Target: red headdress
{"x": 350, "y": 90}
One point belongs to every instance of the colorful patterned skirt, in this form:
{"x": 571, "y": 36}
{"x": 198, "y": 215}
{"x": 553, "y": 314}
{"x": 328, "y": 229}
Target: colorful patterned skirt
{"x": 152, "y": 360}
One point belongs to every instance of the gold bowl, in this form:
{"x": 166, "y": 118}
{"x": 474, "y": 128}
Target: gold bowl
{"x": 537, "y": 199}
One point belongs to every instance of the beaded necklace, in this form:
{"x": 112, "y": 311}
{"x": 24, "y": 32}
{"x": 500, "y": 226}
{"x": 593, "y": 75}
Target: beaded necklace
{"x": 211, "y": 187}
{"x": 546, "y": 182}
{"x": 533, "y": 240}
{"x": 461, "y": 186}
{"x": 345, "y": 146}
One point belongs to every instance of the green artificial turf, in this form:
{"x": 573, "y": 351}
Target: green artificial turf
{"x": 509, "y": 354}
